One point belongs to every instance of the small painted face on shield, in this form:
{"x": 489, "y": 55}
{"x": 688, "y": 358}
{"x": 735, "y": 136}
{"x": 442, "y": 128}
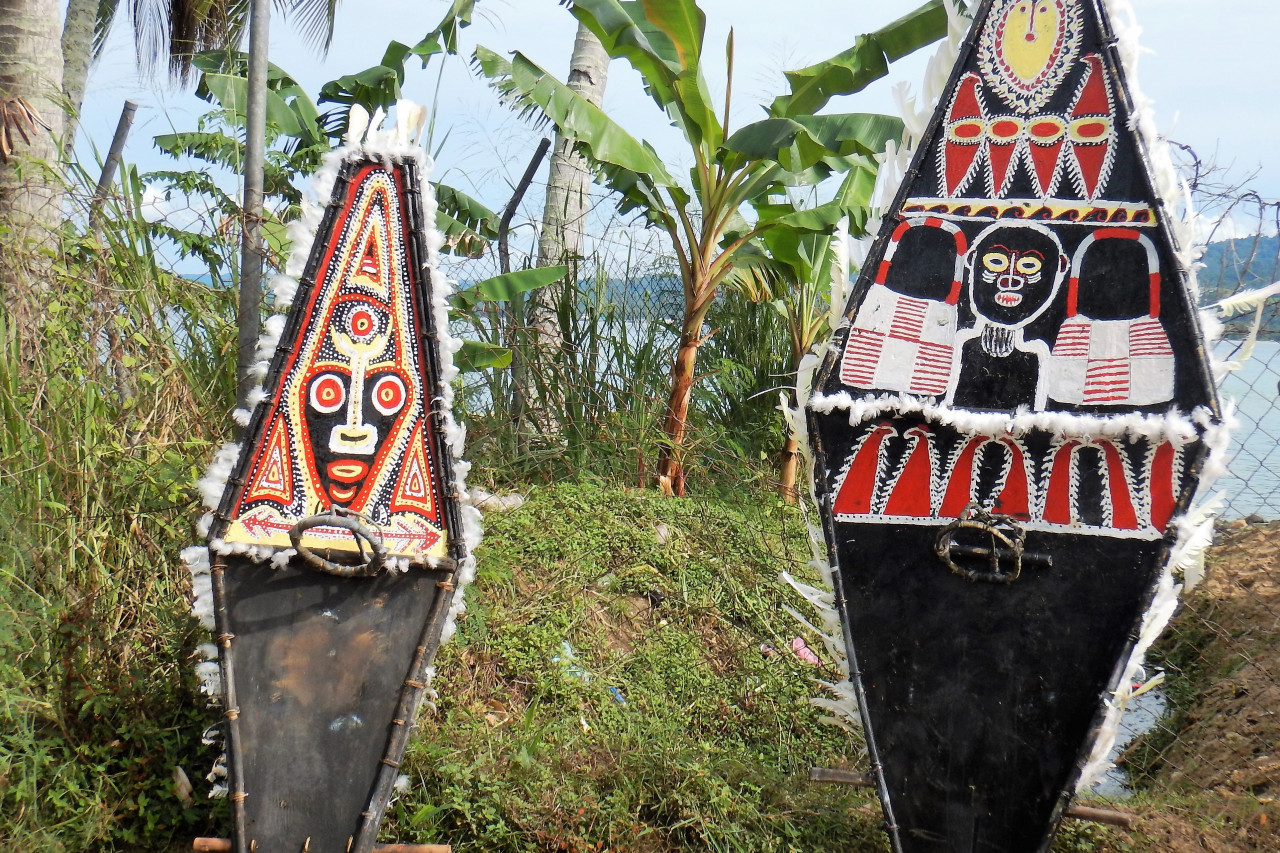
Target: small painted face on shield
{"x": 1014, "y": 272}
{"x": 353, "y": 397}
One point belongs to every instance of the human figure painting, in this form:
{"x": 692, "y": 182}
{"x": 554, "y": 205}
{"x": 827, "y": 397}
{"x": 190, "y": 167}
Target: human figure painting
{"x": 1007, "y": 427}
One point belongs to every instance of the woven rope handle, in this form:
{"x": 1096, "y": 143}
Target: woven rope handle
{"x": 372, "y": 559}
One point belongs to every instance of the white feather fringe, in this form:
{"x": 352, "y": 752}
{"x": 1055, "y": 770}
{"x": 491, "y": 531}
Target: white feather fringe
{"x": 893, "y": 165}
{"x": 1186, "y": 561}
{"x": 1195, "y": 528}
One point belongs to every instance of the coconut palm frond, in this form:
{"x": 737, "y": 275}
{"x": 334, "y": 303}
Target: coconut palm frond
{"x": 105, "y": 17}
{"x": 17, "y": 116}
{"x": 315, "y": 20}
{"x": 176, "y": 30}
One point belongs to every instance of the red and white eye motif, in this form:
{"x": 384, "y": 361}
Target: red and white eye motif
{"x": 389, "y": 394}
{"x": 362, "y": 323}
{"x": 328, "y": 393}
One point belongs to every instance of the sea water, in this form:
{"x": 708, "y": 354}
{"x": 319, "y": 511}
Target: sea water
{"x": 1252, "y": 483}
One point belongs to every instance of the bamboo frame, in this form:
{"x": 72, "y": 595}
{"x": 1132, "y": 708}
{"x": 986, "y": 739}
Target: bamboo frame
{"x": 223, "y": 845}
{"x": 833, "y": 776}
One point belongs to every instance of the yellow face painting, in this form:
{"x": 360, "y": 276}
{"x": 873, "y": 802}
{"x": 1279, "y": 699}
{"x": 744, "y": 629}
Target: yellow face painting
{"x": 1030, "y": 37}
{"x": 1033, "y": 46}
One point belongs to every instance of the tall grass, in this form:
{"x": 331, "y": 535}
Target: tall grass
{"x": 593, "y": 407}
{"x": 100, "y": 436}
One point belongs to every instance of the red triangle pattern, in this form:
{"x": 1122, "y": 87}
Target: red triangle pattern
{"x": 859, "y": 486}
{"x": 274, "y": 478}
{"x": 413, "y": 491}
{"x": 369, "y": 267}
{"x": 912, "y": 495}
{"x": 1092, "y": 128}
{"x": 966, "y": 127}
{"x": 1014, "y": 496}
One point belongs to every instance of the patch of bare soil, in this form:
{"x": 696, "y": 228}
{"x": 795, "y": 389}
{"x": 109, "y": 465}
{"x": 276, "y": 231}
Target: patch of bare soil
{"x": 1225, "y": 757}
{"x": 1232, "y": 736}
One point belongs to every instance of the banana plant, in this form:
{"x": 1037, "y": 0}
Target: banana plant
{"x": 752, "y": 166}
{"x": 801, "y": 273}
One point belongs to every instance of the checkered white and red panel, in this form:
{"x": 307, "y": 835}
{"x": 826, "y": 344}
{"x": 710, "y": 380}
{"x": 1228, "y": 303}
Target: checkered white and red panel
{"x": 900, "y": 343}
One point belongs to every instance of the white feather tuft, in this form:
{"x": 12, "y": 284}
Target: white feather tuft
{"x": 280, "y": 559}
{"x": 214, "y": 481}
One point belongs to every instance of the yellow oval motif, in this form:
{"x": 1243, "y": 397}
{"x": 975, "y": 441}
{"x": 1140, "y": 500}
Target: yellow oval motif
{"x": 1032, "y": 37}
{"x": 352, "y": 471}
{"x": 995, "y": 261}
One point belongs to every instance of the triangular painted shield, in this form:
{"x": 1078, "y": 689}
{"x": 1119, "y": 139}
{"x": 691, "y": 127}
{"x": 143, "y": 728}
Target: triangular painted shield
{"x": 351, "y": 397}
{"x": 1001, "y": 540}
{"x": 340, "y": 540}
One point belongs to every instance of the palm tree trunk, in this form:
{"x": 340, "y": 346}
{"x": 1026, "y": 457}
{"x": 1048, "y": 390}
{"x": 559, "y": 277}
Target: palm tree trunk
{"x": 77, "y": 51}
{"x": 569, "y": 183}
{"x": 563, "y": 226}
{"x": 30, "y": 190}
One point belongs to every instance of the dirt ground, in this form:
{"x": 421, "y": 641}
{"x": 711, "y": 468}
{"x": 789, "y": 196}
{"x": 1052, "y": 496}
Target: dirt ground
{"x": 1220, "y": 775}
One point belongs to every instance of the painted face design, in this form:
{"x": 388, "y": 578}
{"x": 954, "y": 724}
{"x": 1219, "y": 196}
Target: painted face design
{"x": 353, "y": 403}
{"x": 1014, "y": 273}
{"x": 349, "y": 424}
{"x": 1011, "y": 272}
{"x": 1030, "y": 36}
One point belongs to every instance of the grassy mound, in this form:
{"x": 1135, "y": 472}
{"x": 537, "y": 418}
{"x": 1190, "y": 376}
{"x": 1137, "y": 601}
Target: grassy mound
{"x": 608, "y": 688}
{"x": 1211, "y": 768}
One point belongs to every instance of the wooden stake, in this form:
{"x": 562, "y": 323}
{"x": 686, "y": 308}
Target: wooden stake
{"x": 839, "y": 777}
{"x": 1124, "y": 820}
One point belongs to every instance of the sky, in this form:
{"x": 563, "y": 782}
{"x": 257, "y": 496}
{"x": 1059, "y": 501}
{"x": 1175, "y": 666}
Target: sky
{"x": 1211, "y": 67}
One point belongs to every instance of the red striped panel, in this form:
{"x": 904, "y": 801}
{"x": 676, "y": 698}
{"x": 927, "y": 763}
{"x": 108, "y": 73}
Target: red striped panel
{"x": 1073, "y": 341}
{"x": 1147, "y": 337}
{"x": 1107, "y": 381}
{"x": 861, "y": 355}
{"x": 931, "y": 371}
{"x": 908, "y": 320}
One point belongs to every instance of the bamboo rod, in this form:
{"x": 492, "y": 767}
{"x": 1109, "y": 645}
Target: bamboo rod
{"x": 1124, "y": 820}
{"x": 230, "y": 704}
{"x": 223, "y": 845}
{"x": 411, "y": 693}
{"x": 839, "y": 777}
{"x": 112, "y": 162}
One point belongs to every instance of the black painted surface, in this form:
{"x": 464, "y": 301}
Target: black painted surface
{"x": 319, "y": 662}
{"x": 980, "y": 699}
{"x": 982, "y": 693}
